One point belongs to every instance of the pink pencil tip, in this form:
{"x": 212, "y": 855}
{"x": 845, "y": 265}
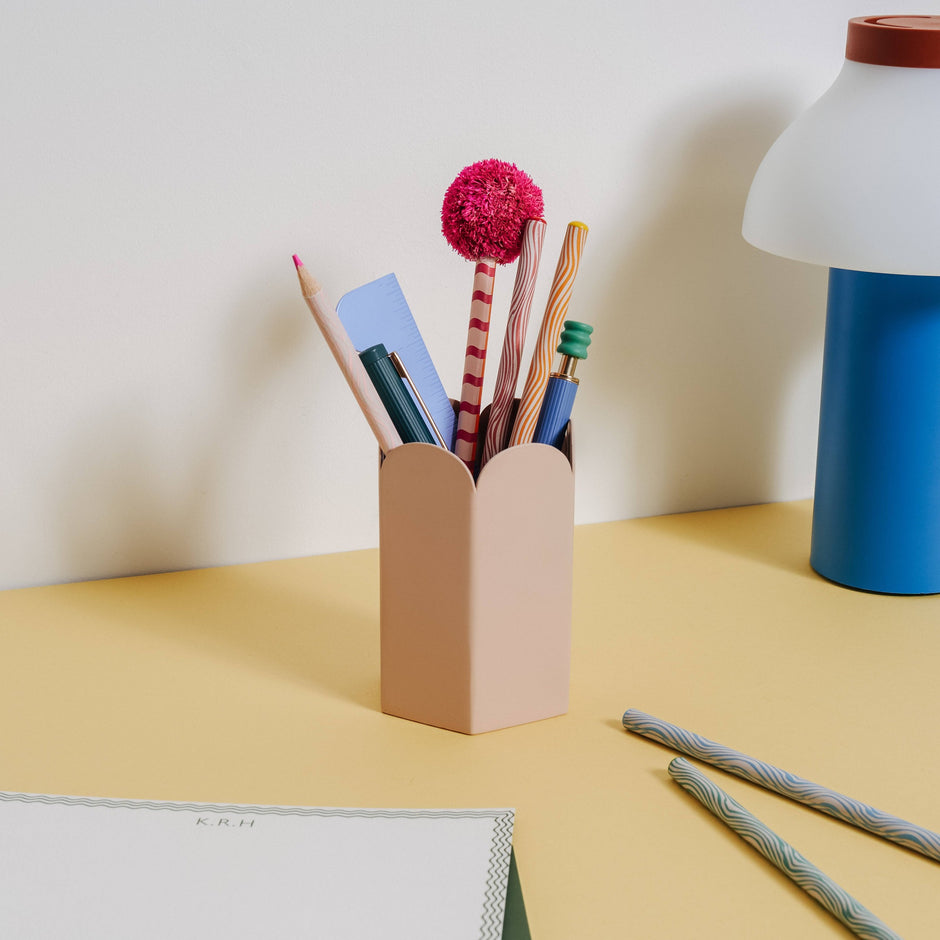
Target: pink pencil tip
{"x": 297, "y": 262}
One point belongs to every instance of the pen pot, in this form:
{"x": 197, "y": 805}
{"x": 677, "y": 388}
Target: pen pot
{"x": 476, "y": 582}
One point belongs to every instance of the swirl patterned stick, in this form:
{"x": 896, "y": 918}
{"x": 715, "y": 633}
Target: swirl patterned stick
{"x": 497, "y": 431}
{"x": 482, "y": 217}
{"x": 570, "y": 258}
{"x": 841, "y": 807}
{"x": 819, "y": 886}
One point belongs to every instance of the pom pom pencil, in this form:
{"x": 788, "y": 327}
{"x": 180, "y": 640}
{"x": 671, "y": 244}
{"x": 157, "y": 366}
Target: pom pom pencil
{"x": 558, "y": 297}
{"x": 497, "y": 431}
{"x": 482, "y": 217}
{"x": 347, "y": 359}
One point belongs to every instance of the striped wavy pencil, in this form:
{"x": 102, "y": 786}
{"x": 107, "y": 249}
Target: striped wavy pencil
{"x": 819, "y": 886}
{"x": 534, "y": 391}
{"x": 471, "y": 392}
{"x": 837, "y": 805}
{"x": 347, "y": 359}
{"x": 497, "y": 431}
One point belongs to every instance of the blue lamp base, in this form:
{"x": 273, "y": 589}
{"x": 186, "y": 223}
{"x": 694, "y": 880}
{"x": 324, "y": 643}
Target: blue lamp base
{"x": 876, "y": 516}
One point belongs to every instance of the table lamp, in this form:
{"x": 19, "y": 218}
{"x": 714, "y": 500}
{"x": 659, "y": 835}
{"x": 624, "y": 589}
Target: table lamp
{"x": 853, "y": 184}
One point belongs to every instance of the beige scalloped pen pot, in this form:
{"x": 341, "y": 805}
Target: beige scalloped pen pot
{"x": 476, "y": 586}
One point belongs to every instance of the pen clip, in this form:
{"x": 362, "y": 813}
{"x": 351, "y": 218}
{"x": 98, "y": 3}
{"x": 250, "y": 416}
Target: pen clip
{"x": 403, "y": 372}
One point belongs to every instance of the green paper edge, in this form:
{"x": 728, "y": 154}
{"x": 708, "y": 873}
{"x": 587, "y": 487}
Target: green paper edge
{"x": 515, "y": 922}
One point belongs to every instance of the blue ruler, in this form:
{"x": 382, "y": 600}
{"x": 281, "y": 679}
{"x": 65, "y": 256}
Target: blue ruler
{"x": 377, "y": 312}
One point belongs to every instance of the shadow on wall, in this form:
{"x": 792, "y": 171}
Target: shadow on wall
{"x": 711, "y": 333}
{"x": 126, "y": 507}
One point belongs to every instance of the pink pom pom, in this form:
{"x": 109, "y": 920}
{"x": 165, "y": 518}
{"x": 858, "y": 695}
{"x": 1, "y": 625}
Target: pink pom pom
{"x": 485, "y": 209}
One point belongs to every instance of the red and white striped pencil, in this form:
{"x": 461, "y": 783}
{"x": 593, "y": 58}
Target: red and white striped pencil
{"x": 471, "y": 394}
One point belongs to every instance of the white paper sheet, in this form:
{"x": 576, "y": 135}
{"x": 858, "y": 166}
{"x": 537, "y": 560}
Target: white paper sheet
{"x": 73, "y": 868}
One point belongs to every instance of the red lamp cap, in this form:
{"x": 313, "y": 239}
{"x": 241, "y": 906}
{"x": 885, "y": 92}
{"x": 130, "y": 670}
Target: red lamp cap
{"x": 907, "y": 41}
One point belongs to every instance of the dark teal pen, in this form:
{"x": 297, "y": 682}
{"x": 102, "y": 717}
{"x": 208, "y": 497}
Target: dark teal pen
{"x": 401, "y": 408}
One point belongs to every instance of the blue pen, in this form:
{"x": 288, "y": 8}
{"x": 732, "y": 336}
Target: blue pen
{"x": 562, "y": 385}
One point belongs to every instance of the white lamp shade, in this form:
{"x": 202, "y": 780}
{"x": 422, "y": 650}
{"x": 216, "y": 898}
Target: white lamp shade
{"x": 854, "y": 182}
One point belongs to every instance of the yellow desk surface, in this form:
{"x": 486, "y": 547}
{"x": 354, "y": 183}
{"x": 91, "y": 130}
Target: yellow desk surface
{"x": 259, "y": 684}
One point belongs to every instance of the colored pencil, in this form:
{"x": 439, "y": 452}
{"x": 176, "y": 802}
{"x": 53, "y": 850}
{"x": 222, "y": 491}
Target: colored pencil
{"x": 837, "y": 805}
{"x": 527, "y": 414}
{"x": 819, "y": 886}
{"x": 497, "y": 431}
{"x": 347, "y": 359}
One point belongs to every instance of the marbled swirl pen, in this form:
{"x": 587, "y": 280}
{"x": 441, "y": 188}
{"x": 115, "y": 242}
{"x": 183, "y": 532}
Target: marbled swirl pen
{"x": 818, "y": 885}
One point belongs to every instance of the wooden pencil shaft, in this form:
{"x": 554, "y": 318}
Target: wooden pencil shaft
{"x": 348, "y": 360}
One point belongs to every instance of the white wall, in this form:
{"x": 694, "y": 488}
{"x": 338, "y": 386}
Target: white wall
{"x": 167, "y": 401}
